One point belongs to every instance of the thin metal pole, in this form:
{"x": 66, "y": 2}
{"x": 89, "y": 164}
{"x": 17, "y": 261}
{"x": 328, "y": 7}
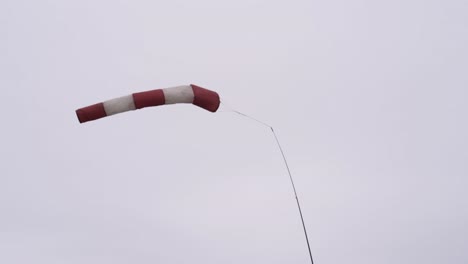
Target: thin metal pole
{"x": 295, "y": 194}
{"x": 290, "y": 178}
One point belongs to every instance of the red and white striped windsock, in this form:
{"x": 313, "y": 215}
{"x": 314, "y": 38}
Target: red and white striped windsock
{"x": 191, "y": 94}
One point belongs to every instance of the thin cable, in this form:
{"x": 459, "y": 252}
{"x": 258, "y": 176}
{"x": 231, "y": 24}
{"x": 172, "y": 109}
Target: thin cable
{"x": 290, "y": 178}
{"x": 265, "y": 124}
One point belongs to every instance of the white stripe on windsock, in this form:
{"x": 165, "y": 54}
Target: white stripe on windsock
{"x": 119, "y": 105}
{"x": 178, "y": 94}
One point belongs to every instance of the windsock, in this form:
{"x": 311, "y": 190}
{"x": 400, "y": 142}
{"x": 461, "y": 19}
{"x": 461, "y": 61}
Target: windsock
{"x": 189, "y": 94}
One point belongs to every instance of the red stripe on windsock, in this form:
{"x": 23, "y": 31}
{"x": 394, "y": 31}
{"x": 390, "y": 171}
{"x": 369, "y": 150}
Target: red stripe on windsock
{"x": 148, "y": 98}
{"x": 205, "y": 98}
{"x": 91, "y": 112}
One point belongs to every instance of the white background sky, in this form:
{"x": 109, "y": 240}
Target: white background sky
{"x": 368, "y": 99}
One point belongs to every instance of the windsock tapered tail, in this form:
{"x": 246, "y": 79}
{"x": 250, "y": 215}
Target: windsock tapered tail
{"x": 190, "y": 94}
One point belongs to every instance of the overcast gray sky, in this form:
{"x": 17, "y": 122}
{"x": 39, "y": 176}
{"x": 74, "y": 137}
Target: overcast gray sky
{"x": 367, "y": 97}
